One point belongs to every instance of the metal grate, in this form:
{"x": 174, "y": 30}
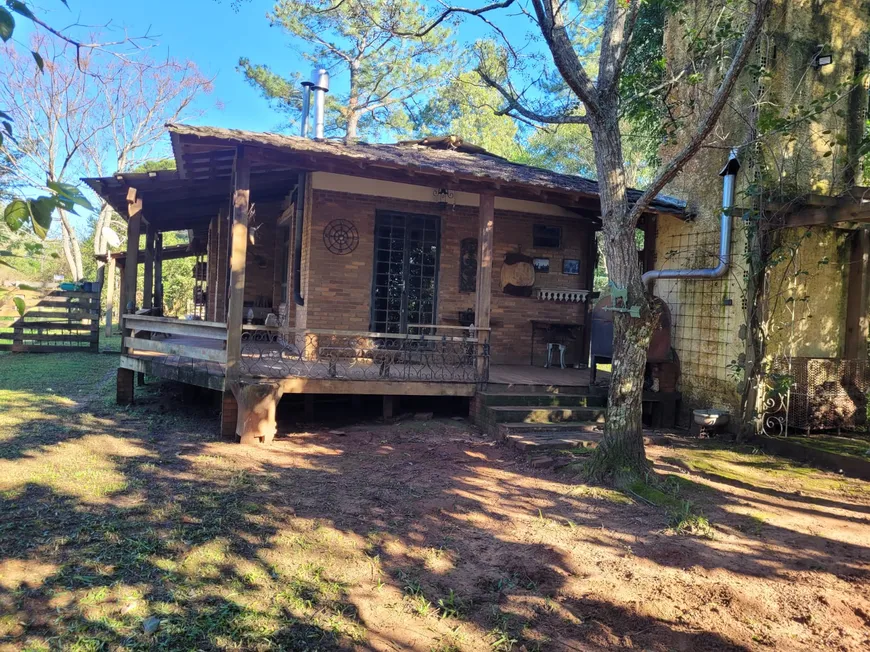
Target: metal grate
{"x": 826, "y": 393}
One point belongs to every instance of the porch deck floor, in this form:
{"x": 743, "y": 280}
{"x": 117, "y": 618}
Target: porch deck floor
{"x": 264, "y": 367}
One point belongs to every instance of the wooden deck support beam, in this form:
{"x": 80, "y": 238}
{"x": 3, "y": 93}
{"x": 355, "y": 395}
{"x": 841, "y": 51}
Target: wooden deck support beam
{"x": 110, "y": 295}
{"x": 483, "y": 307}
{"x": 857, "y": 290}
{"x": 148, "y": 276}
{"x": 122, "y": 292}
{"x": 158, "y": 272}
{"x": 257, "y": 402}
{"x": 134, "y": 224}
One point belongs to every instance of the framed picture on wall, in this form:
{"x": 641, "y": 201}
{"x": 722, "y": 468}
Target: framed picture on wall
{"x": 542, "y": 265}
{"x": 571, "y": 266}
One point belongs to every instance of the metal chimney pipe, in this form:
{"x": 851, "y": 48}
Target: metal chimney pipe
{"x": 320, "y": 85}
{"x": 729, "y": 178}
{"x": 306, "y": 106}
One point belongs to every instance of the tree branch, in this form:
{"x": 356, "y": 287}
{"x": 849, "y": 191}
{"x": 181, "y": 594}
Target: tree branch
{"x": 549, "y": 16}
{"x": 515, "y": 105}
{"x": 720, "y": 100}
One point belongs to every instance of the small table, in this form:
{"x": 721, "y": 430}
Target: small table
{"x": 560, "y": 329}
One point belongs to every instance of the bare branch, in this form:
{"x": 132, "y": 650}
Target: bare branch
{"x": 720, "y": 100}
{"x": 515, "y": 105}
{"x": 550, "y": 20}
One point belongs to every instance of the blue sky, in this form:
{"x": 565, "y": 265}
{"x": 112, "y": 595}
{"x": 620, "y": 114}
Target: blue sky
{"x": 209, "y": 33}
{"x": 214, "y": 36}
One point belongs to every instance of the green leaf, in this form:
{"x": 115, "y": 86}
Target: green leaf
{"x": 38, "y": 59}
{"x": 70, "y": 193}
{"x": 7, "y": 24}
{"x": 20, "y": 8}
{"x": 40, "y": 214}
{"x": 19, "y": 305}
{"x": 16, "y": 214}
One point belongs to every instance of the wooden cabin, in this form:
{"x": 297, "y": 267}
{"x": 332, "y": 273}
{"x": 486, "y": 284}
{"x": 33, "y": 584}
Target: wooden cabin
{"x": 419, "y": 268}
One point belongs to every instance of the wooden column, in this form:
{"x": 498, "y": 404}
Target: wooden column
{"x": 122, "y": 292}
{"x": 857, "y": 326}
{"x": 110, "y": 294}
{"x": 148, "y": 276}
{"x": 134, "y": 224}
{"x": 238, "y": 259}
{"x": 158, "y": 272}
{"x": 483, "y": 306}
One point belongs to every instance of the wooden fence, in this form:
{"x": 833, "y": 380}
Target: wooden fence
{"x": 60, "y": 321}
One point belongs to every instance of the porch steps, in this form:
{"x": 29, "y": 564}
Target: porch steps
{"x": 546, "y": 415}
{"x": 538, "y": 418}
{"x": 539, "y": 399}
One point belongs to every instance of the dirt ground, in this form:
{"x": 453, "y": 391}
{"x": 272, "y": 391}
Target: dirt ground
{"x": 135, "y": 529}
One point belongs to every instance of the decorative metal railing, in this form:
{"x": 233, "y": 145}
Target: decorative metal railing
{"x": 459, "y": 355}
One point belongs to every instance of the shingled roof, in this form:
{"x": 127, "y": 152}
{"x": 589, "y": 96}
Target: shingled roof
{"x": 448, "y": 157}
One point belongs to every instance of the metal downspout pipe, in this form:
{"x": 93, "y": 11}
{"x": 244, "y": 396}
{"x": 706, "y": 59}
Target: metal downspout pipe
{"x": 319, "y": 84}
{"x": 729, "y": 175}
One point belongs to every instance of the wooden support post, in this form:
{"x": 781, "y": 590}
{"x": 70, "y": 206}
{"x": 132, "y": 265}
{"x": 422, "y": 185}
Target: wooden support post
{"x": 389, "y": 406}
{"x": 589, "y": 282}
{"x": 158, "y": 272}
{"x": 238, "y": 259}
{"x": 257, "y": 405}
{"x": 483, "y": 307}
{"x": 134, "y": 224}
{"x": 148, "y": 276}
{"x": 122, "y": 300}
{"x": 124, "y": 391}
{"x": 110, "y": 295}
{"x": 857, "y": 326}
{"x": 308, "y": 402}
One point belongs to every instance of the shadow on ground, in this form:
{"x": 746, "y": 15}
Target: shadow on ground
{"x": 422, "y": 536}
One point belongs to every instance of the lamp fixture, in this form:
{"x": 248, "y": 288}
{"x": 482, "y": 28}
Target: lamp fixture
{"x": 822, "y": 58}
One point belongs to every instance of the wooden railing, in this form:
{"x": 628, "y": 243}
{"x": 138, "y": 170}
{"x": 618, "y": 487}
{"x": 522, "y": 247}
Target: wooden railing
{"x": 142, "y": 336}
{"x": 60, "y": 321}
{"x": 452, "y": 354}
{"x": 457, "y": 355}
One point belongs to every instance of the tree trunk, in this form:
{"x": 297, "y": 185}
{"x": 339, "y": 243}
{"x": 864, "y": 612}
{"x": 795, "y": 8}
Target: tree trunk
{"x": 622, "y": 446}
{"x": 72, "y": 248}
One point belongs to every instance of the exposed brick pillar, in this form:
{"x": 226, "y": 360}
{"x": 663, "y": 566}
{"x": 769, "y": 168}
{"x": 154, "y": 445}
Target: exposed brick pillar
{"x": 124, "y": 391}
{"x": 229, "y": 416}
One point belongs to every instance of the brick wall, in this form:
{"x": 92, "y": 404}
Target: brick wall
{"x": 337, "y": 289}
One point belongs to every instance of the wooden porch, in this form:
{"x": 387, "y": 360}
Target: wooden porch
{"x": 328, "y": 362}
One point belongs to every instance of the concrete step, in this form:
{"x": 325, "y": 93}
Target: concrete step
{"x": 546, "y": 415}
{"x": 534, "y": 438}
{"x": 501, "y": 399}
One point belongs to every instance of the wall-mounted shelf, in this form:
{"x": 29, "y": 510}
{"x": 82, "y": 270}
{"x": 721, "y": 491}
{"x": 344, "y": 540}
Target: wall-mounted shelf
{"x": 563, "y": 296}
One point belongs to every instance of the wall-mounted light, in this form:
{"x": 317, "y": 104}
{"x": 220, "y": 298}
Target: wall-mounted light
{"x": 822, "y": 58}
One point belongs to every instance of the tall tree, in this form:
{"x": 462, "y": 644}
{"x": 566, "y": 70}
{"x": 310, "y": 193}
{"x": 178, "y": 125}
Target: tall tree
{"x": 467, "y": 107}
{"x": 88, "y": 114}
{"x": 34, "y": 215}
{"x": 595, "y": 97}
{"x": 359, "y": 42}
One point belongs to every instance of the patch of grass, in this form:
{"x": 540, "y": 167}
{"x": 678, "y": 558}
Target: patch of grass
{"x": 452, "y": 606}
{"x": 683, "y": 516}
{"x": 746, "y": 465}
{"x": 851, "y": 446}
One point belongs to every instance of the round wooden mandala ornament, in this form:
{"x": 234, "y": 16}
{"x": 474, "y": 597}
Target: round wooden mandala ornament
{"x": 340, "y": 237}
